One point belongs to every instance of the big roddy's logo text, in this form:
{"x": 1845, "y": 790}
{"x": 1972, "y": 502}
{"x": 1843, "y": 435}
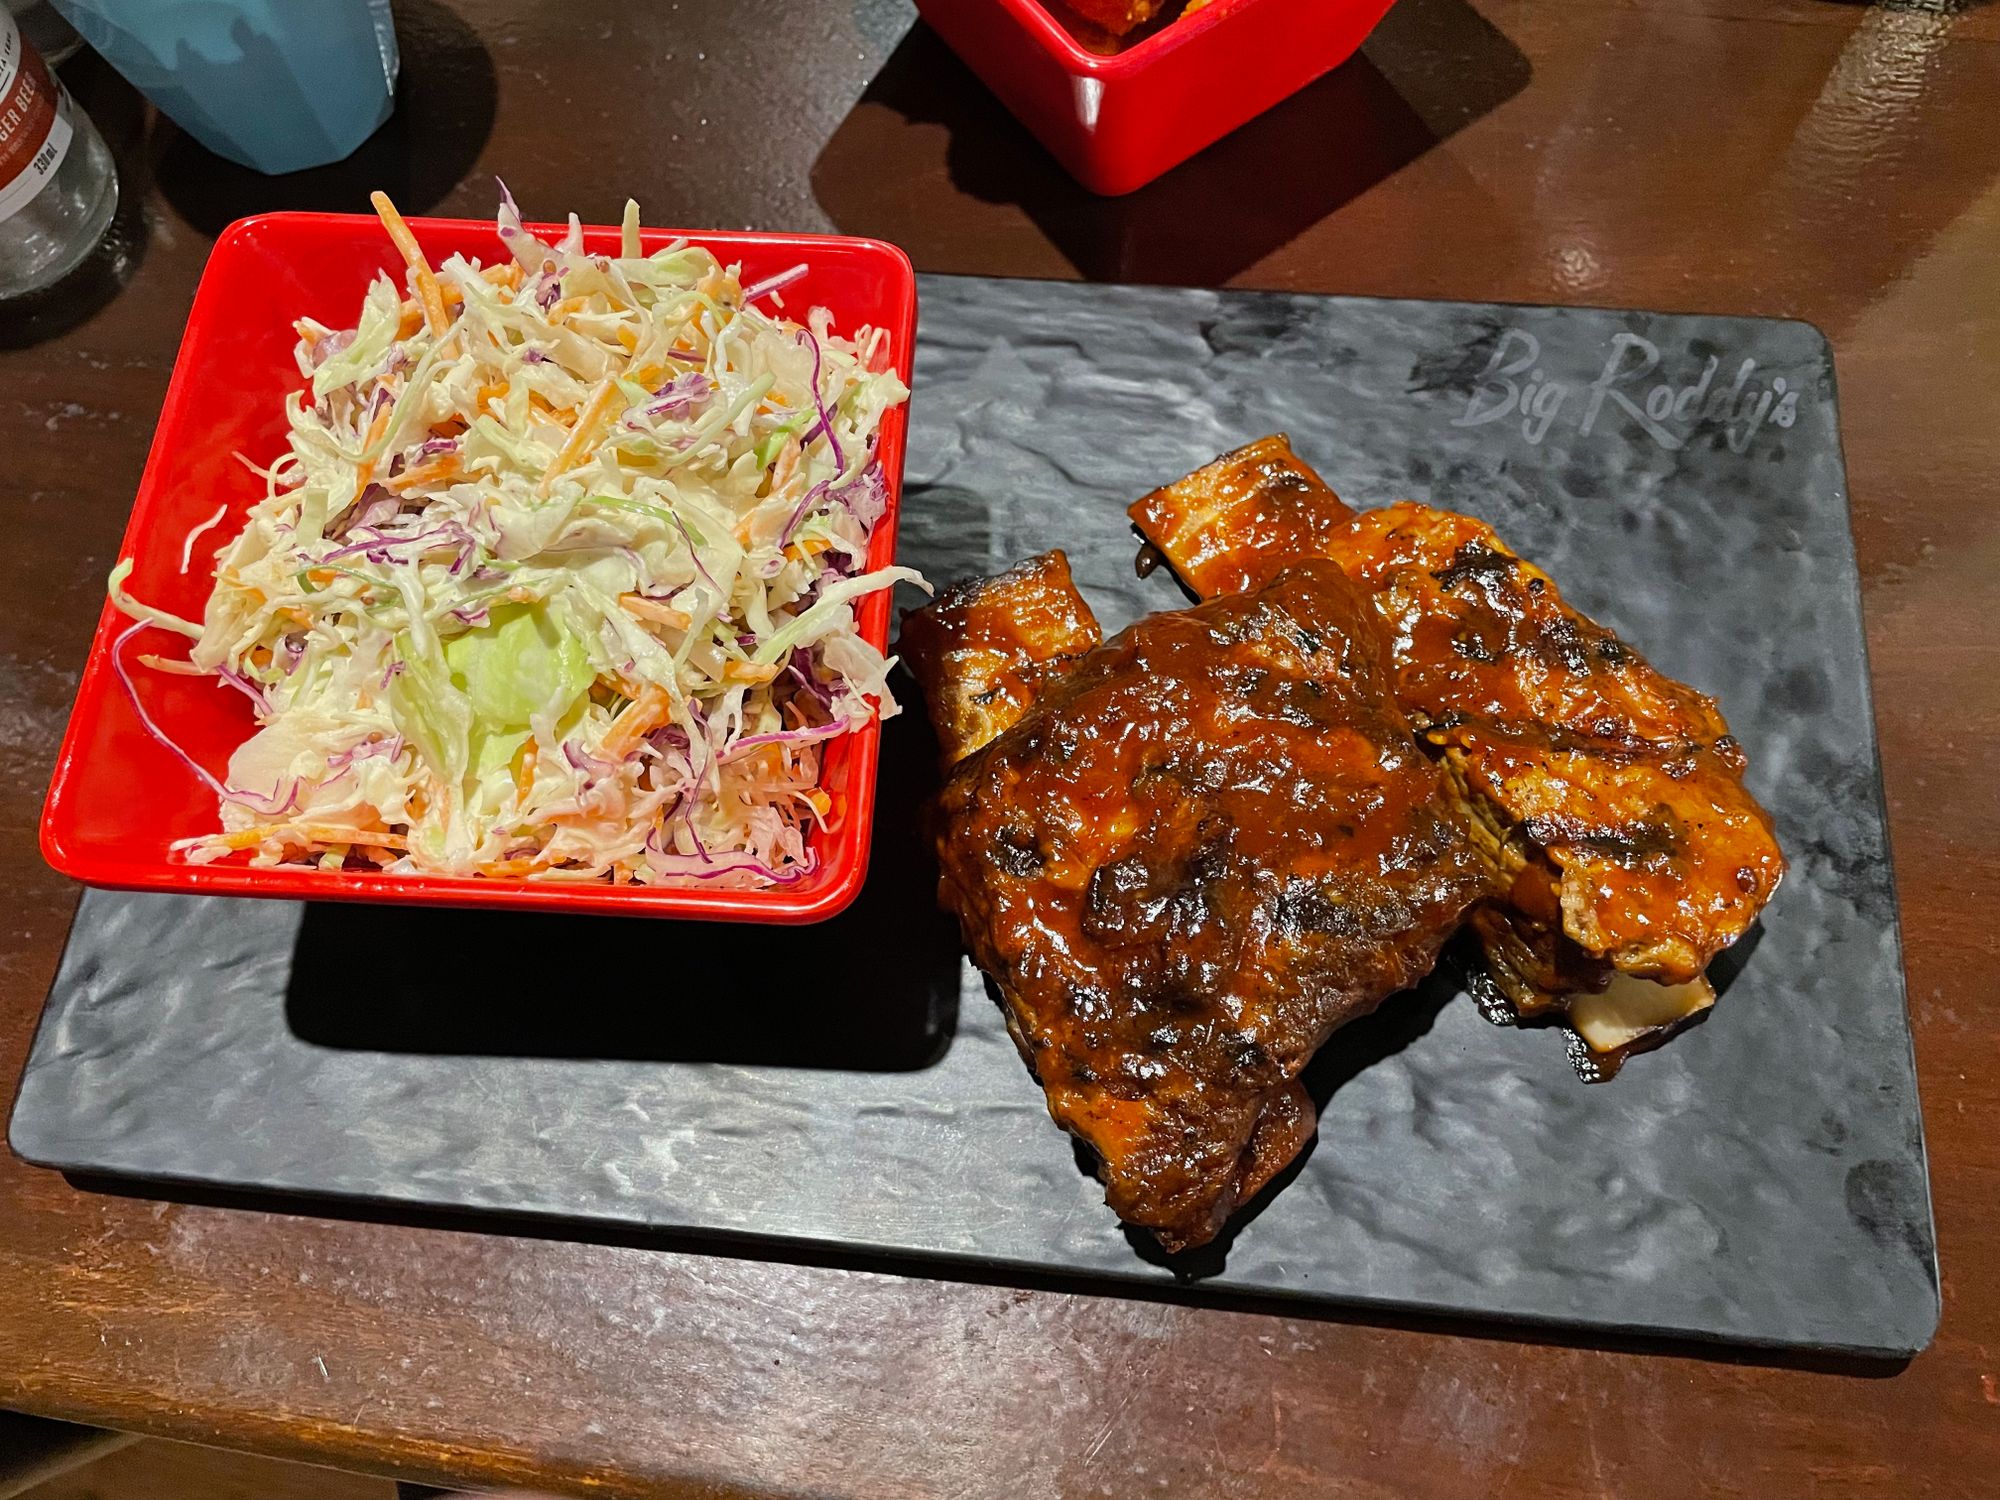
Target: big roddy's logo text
{"x": 1513, "y": 385}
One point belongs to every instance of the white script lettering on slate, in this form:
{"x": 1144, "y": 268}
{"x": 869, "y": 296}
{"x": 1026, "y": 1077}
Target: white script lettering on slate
{"x": 1625, "y": 394}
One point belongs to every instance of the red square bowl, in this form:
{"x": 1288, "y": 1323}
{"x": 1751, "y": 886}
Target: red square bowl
{"x": 1118, "y": 122}
{"x": 119, "y": 798}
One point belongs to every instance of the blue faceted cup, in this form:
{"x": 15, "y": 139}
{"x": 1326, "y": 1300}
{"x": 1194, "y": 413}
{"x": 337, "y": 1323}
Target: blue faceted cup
{"x": 277, "y": 85}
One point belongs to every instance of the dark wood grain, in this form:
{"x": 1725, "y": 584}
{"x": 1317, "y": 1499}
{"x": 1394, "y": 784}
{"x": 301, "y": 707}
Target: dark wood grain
{"x": 1826, "y": 161}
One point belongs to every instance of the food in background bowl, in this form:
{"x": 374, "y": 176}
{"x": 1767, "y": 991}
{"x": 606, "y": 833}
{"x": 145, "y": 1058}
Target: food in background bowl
{"x": 1107, "y": 23}
{"x": 555, "y": 580}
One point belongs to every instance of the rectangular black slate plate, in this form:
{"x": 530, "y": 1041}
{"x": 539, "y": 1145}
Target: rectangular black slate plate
{"x": 1762, "y": 1179}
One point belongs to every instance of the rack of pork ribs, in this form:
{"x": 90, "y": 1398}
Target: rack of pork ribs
{"x": 1188, "y": 854}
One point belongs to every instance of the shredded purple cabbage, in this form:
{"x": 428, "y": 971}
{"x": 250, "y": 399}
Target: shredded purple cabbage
{"x": 374, "y": 506}
{"x": 707, "y": 866}
{"x": 584, "y": 761}
{"x": 694, "y": 553}
{"x": 825, "y": 423}
{"x": 379, "y": 546}
{"x": 329, "y": 346}
{"x": 670, "y": 737}
{"x": 867, "y": 497}
{"x": 785, "y": 737}
{"x": 392, "y": 746}
{"x": 771, "y": 284}
{"x": 819, "y": 691}
{"x": 679, "y": 396}
{"x": 805, "y": 507}
{"x": 247, "y": 688}
{"x": 269, "y": 806}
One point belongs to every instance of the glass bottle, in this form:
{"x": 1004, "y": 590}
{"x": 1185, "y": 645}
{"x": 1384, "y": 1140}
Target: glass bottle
{"x": 47, "y": 32}
{"x": 58, "y": 188}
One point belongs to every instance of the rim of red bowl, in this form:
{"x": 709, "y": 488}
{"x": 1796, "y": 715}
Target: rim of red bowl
{"x": 1055, "y": 37}
{"x": 851, "y": 842}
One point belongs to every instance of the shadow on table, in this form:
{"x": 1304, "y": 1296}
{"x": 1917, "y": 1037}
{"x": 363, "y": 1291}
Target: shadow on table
{"x": 446, "y": 97}
{"x": 874, "y": 989}
{"x": 1431, "y": 68}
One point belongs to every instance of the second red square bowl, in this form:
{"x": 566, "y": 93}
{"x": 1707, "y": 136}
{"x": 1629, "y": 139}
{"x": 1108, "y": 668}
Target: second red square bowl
{"x": 1118, "y": 122}
{"x": 119, "y": 798}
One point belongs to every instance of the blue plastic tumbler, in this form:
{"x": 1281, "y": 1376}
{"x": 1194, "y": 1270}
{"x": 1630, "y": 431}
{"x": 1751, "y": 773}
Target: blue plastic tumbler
{"x": 278, "y": 85}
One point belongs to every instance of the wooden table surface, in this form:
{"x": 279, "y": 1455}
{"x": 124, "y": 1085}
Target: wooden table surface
{"x": 1821, "y": 160}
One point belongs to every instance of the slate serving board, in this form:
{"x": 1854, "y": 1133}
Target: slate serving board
{"x": 1762, "y": 1179}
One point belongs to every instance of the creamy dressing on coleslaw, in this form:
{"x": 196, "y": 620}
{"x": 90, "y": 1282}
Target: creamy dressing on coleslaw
{"x": 556, "y": 579}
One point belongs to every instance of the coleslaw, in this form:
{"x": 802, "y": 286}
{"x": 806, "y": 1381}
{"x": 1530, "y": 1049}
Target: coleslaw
{"x": 557, "y": 577}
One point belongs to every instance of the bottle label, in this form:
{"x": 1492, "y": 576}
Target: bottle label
{"x": 34, "y": 121}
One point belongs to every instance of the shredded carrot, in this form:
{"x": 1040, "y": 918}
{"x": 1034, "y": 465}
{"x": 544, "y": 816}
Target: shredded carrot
{"x": 807, "y": 547}
{"x": 493, "y": 390}
{"x": 819, "y": 801}
{"x": 310, "y": 833}
{"x": 452, "y": 294}
{"x": 750, "y": 671}
{"x": 641, "y": 717}
{"x": 445, "y": 466}
{"x": 564, "y": 308}
{"x": 652, "y": 609}
{"x": 366, "y": 474}
{"x": 413, "y": 256}
{"x": 524, "y": 769}
{"x": 180, "y": 668}
{"x": 525, "y": 865}
{"x": 589, "y": 422}
{"x": 629, "y": 339}
{"x": 508, "y": 275}
{"x": 308, "y": 335}
{"x": 411, "y": 321}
